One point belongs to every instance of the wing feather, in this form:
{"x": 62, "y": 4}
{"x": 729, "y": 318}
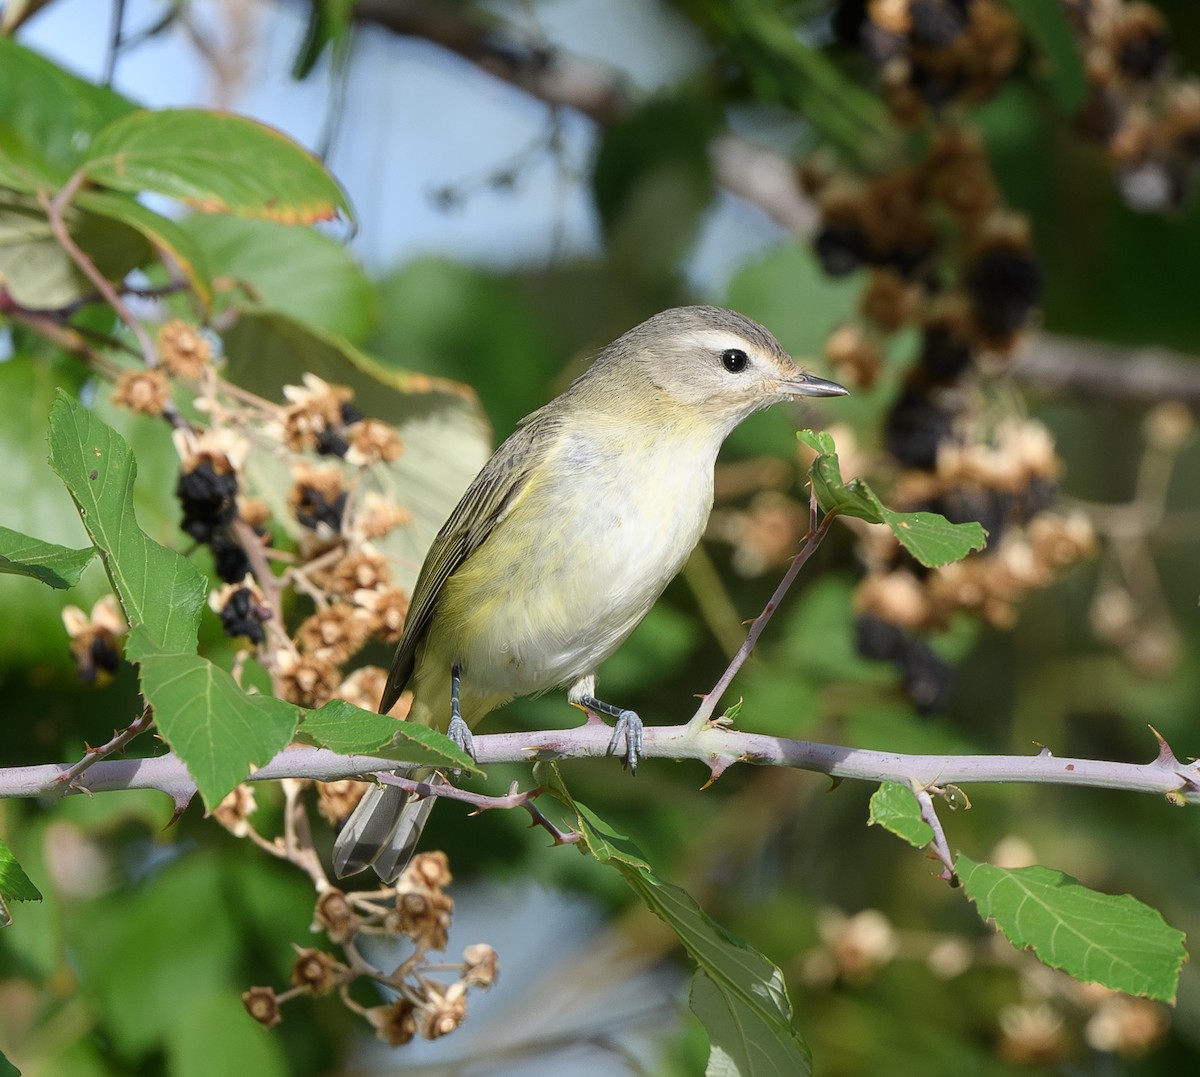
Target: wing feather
{"x": 486, "y": 502}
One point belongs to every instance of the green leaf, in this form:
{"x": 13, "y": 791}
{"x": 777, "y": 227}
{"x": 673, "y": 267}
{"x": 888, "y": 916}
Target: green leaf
{"x": 737, "y": 993}
{"x": 329, "y": 24}
{"x": 241, "y": 1046}
{"x": 298, "y": 272}
{"x": 349, "y": 730}
{"x": 1048, "y": 26}
{"x": 160, "y": 593}
{"x": 217, "y": 163}
{"x": 930, "y": 538}
{"x": 218, "y": 730}
{"x": 35, "y": 268}
{"x": 57, "y": 566}
{"x": 47, "y": 118}
{"x": 162, "y": 232}
{"x": 7, "y": 1069}
{"x": 15, "y": 885}
{"x": 894, "y": 808}
{"x": 1115, "y": 941}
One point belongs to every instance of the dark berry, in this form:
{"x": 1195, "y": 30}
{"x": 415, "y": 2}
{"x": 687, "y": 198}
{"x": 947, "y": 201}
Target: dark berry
{"x": 208, "y": 498}
{"x": 841, "y": 248}
{"x": 935, "y": 23}
{"x": 945, "y": 355}
{"x": 1144, "y": 55}
{"x": 331, "y": 443}
{"x": 916, "y": 425}
{"x": 242, "y": 616}
{"x": 314, "y": 509}
{"x": 230, "y": 558}
{"x": 350, "y": 414}
{"x": 876, "y": 638}
{"x": 1005, "y": 284}
{"x": 927, "y": 678}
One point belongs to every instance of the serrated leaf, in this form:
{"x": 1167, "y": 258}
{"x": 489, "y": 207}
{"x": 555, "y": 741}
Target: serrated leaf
{"x": 737, "y": 993}
{"x": 930, "y": 538}
{"x": 217, "y": 163}
{"x": 218, "y": 730}
{"x": 349, "y": 730}
{"x": 160, "y": 592}
{"x": 1112, "y": 940}
{"x": 56, "y": 566}
{"x": 15, "y": 885}
{"x": 160, "y": 231}
{"x": 894, "y": 808}
{"x": 1048, "y": 26}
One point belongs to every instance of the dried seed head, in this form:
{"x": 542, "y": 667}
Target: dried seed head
{"x": 363, "y": 570}
{"x": 855, "y": 355}
{"x": 234, "y": 811}
{"x": 315, "y": 971}
{"x": 335, "y": 916}
{"x": 388, "y": 609}
{"x": 376, "y": 515}
{"x": 145, "y": 391}
{"x": 371, "y": 441}
{"x": 262, "y": 1004}
{"x": 442, "y": 1012}
{"x": 318, "y": 497}
{"x": 431, "y": 870}
{"x": 94, "y": 638}
{"x": 335, "y": 633}
{"x": 336, "y": 800}
{"x": 184, "y": 350}
{"x": 395, "y": 1023}
{"x": 482, "y": 965}
{"x": 306, "y": 678}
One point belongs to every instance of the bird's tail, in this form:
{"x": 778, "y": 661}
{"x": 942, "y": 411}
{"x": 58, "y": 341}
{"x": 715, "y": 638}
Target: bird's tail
{"x": 383, "y": 830}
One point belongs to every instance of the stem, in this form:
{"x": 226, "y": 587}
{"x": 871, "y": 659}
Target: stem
{"x": 816, "y": 532}
{"x": 139, "y": 725}
{"x": 713, "y": 745}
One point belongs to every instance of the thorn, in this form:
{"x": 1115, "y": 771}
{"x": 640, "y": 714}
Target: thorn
{"x": 1165, "y": 756}
{"x": 1043, "y": 751}
{"x": 181, "y": 804}
{"x": 834, "y": 783}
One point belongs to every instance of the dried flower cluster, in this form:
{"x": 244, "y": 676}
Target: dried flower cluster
{"x": 417, "y": 908}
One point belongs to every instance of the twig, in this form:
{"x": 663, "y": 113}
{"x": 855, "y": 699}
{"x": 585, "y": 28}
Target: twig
{"x": 93, "y": 756}
{"x": 715, "y": 746}
{"x": 939, "y": 846}
{"x": 816, "y": 532}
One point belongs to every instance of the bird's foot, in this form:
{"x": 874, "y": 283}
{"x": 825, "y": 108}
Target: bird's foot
{"x": 459, "y": 732}
{"x": 629, "y": 727}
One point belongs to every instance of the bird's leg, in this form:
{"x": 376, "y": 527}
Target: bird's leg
{"x": 458, "y": 730}
{"x": 628, "y": 726}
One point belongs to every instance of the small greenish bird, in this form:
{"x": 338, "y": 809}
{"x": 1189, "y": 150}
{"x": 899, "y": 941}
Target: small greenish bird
{"x": 564, "y": 540}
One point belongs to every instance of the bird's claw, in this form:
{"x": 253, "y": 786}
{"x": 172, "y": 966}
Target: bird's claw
{"x": 631, "y": 728}
{"x": 459, "y": 732}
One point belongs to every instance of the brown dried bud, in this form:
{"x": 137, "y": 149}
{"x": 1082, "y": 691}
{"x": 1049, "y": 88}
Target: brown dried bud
{"x": 483, "y": 966}
{"x": 318, "y": 497}
{"x": 888, "y": 301}
{"x": 372, "y": 441}
{"x": 94, "y": 639}
{"x": 315, "y": 971}
{"x": 423, "y": 916}
{"x": 145, "y": 391}
{"x": 1126, "y": 1026}
{"x": 334, "y": 916}
{"x": 183, "y": 350}
{"x": 1031, "y": 1034}
{"x": 376, "y": 515}
{"x": 334, "y": 633}
{"x": 442, "y": 1012}
{"x": 262, "y": 1004}
{"x": 364, "y": 570}
{"x": 896, "y": 597}
{"x": 234, "y": 811}
{"x": 431, "y": 870}
{"x": 395, "y": 1023}
{"x": 306, "y": 679}
{"x": 860, "y": 945}
{"x": 389, "y": 608}
{"x": 336, "y": 800}
{"x": 364, "y": 687}
{"x": 855, "y": 355}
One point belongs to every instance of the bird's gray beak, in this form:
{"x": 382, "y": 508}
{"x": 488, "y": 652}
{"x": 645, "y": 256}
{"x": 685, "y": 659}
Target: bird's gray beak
{"x": 809, "y": 385}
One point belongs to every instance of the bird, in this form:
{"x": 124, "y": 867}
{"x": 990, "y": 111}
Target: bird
{"x": 565, "y": 539}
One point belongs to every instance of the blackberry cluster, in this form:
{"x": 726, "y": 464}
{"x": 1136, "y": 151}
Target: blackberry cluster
{"x": 207, "y": 491}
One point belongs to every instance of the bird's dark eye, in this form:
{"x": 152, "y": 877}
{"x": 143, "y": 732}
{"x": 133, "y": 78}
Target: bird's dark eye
{"x": 734, "y": 360}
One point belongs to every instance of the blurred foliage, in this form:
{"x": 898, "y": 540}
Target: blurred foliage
{"x": 147, "y": 935}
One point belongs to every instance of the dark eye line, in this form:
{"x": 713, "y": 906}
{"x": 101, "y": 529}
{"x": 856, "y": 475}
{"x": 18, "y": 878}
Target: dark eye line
{"x": 734, "y": 360}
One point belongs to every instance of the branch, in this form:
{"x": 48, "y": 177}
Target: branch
{"x": 715, "y": 746}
